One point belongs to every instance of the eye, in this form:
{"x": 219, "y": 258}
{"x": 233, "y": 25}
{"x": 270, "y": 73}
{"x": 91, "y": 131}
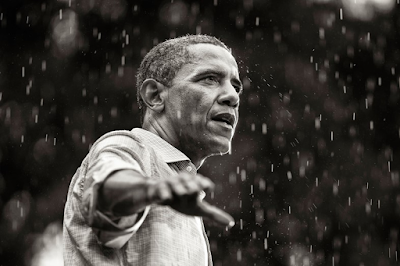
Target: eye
{"x": 211, "y": 79}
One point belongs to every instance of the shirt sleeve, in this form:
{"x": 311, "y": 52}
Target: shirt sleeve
{"x": 108, "y": 155}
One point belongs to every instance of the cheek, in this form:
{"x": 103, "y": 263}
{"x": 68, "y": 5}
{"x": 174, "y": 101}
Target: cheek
{"x": 197, "y": 105}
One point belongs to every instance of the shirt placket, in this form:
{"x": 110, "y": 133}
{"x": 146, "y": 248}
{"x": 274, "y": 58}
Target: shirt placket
{"x": 189, "y": 167}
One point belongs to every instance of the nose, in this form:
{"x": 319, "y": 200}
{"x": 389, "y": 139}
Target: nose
{"x": 229, "y": 96}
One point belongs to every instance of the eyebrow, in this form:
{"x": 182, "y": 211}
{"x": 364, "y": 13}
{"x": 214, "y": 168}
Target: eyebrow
{"x": 219, "y": 73}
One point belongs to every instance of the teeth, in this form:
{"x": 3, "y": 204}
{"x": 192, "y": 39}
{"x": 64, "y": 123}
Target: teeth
{"x": 225, "y": 121}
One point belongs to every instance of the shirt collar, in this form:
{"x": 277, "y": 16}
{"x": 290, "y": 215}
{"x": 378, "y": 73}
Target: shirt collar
{"x": 169, "y": 153}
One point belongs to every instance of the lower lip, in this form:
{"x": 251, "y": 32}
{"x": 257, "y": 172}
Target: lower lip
{"x": 223, "y": 124}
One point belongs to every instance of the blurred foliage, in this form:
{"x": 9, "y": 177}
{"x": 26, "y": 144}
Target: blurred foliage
{"x": 313, "y": 178}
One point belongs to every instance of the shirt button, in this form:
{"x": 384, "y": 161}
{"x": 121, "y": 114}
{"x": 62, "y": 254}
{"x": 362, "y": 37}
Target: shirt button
{"x": 189, "y": 168}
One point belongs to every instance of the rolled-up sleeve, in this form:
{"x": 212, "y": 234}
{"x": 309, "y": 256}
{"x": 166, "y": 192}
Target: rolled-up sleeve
{"x": 108, "y": 155}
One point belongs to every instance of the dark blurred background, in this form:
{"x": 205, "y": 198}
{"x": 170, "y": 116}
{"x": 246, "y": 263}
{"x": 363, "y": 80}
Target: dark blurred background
{"x": 313, "y": 178}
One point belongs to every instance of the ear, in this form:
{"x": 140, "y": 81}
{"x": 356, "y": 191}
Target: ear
{"x": 151, "y": 91}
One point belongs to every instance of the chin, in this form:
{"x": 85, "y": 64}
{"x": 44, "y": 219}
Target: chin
{"x": 220, "y": 148}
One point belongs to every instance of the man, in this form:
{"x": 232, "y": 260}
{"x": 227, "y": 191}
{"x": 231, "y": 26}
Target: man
{"x": 136, "y": 199}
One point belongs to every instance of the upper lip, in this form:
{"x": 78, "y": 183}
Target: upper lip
{"x": 227, "y": 117}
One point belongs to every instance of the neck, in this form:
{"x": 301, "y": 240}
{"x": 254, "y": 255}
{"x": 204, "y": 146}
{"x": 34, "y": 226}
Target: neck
{"x": 172, "y": 138}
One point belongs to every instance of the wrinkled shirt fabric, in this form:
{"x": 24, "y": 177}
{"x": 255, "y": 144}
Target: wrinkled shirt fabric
{"x": 157, "y": 236}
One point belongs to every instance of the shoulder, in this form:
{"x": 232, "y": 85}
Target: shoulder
{"x": 122, "y": 138}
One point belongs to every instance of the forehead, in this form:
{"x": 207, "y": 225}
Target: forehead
{"x": 208, "y": 55}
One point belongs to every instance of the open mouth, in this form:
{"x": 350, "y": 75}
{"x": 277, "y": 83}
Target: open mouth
{"x": 226, "y": 118}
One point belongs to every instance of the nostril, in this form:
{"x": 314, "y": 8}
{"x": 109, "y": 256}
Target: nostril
{"x": 231, "y": 103}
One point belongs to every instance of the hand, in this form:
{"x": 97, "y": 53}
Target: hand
{"x": 182, "y": 193}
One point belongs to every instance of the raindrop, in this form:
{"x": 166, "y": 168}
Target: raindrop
{"x": 317, "y": 123}
{"x": 302, "y": 171}
{"x": 120, "y": 71}
{"x": 262, "y": 184}
{"x": 289, "y": 175}
{"x": 232, "y": 178}
{"x": 239, "y": 255}
{"x": 259, "y": 216}
{"x": 341, "y": 14}
{"x": 322, "y": 33}
{"x": 243, "y": 175}
{"x": 257, "y": 21}
{"x": 114, "y": 112}
{"x": 335, "y": 189}
{"x": 264, "y": 128}
{"x": 108, "y": 68}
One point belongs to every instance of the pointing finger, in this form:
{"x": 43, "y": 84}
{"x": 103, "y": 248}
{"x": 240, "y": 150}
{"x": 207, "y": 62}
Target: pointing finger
{"x": 216, "y": 214}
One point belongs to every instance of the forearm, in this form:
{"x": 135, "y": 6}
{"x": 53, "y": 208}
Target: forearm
{"x": 123, "y": 193}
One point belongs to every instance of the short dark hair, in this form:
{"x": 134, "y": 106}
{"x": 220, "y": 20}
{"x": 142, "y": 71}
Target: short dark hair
{"x": 164, "y": 60}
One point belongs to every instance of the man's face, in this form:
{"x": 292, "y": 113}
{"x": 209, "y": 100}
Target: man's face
{"x": 203, "y": 102}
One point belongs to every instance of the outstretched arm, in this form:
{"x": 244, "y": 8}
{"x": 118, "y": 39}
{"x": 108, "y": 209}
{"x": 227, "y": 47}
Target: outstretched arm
{"x": 126, "y": 192}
